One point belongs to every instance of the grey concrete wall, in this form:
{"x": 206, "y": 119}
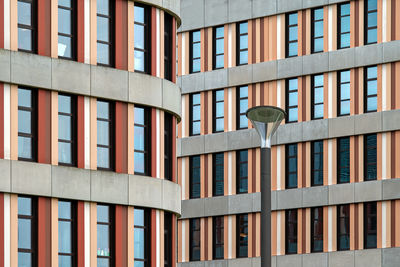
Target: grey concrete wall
{"x": 292, "y": 67}
{"x": 77, "y": 78}
{"x": 31, "y": 178}
{"x": 171, "y": 6}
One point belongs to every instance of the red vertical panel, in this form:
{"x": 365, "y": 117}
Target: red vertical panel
{"x": 81, "y": 131}
{"x": 44, "y": 126}
{"x": 44, "y": 27}
{"x": 1, "y": 23}
{"x": 44, "y": 232}
{"x": 2, "y": 120}
{"x": 121, "y": 137}
{"x": 174, "y": 240}
{"x": 2, "y": 230}
{"x": 81, "y": 234}
{"x": 174, "y": 166}
{"x": 153, "y": 143}
{"x": 173, "y": 50}
{"x": 81, "y": 31}
{"x": 153, "y": 259}
{"x": 121, "y": 34}
{"x": 153, "y": 42}
{"x": 121, "y": 236}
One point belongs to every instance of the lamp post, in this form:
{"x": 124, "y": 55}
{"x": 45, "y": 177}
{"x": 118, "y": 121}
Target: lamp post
{"x": 265, "y": 120}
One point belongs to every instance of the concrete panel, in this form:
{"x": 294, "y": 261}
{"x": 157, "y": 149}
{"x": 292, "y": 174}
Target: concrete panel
{"x": 178, "y": 147}
{"x": 368, "y": 123}
{"x": 216, "y": 79}
{"x": 263, "y": 8}
{"x": 240, "y": 75}
{"x": 173, "y": 5}
{"x": 193, "y": 83}
{"x": 391, "y": 51}
{"x": 265, "y": 71}
{"x": 341, "y": 194}
{"x": 273, "y": 262}
{"x": 192, "y": 14}
{"x": 109, "y": 187}
{"x": 316, "y": 63}
{"x": 290, "y": 133}
{"x": 193, "y": 208}
{"x": 240, "y": 262}
{"x": 215, "y": 142}
{"x": 145, "y": 191}
{"x": 193, "y": 264}
{"x": 391, "y": 189}
{"x": 391, "y": 257}
{"x": 5, "y": 170}
{"x": 216, "y": 12}
{"x": 274, "y": 204}
{"x": 241, "y": 203}
{"x": 315, "y": 260}
{"x": 289, "y": 199}
{"x": 368, "y": 191}
{"x": 343, "y": 126}
{"x": 368, "y": 258}
{"x": 30, "y": 69}
{"x": 193, "y": 145}
{"x": 171, "y": 196}
{"x": 391, "y": 120}
{"x": 216, "y": 206}
{"x": 70, "y": 182}
{"x": 30, "y": 178}
{"x": 315, "y": 196}
{"x": 290, "y": 67}
{"x": 342, "y": 59}
{"x": 171, "y": 97}
{"x": 238, "y": 11}
{"x": 110, "y": 83}
{"x": 314, "y": 130}
{"x": 217, "y": 263}
{"x": 289, "y": 5}
{"x": 145, "y": 89}
{"x": 314, "y": 3}
{"x": 5, "y": 65}
{"x": 289, "y": 260}
{"x": 368, "y": 55}
{"x": 237, "y": 140}
{"x": 70, "y": 76}
{"x": 341, "y": 259}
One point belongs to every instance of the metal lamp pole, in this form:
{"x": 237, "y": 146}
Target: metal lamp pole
{"x": 265, "y": 120}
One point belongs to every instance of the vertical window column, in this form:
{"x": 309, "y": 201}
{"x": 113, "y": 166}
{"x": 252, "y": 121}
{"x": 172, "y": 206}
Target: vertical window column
{"x": 105, "y": 135}
{"x": 242, "y": 172}
{"x": 292, "y": 99}
{"x": 218, "y": 48}
{"x": 291, "y": 166}
{"x": 218, "y": 174}
{"x": 317, "y": 95}
{"x": 343, "y": 160}
{"x": 317, "y": 30}
{"x": 370, "y": 21}
{"x": 168, "y": 139}
{"x": 67, "y": 29}
{"x": 370, "y": 158}
{"x": 344, "y": 93}
{"x": 66, "y": 130}
{"x": 317, "y": 163}
{"x": 242, "y": 235}
{"x": 371, "y": 89}
{"x": 194, "y": 177}
{"x": 194, "y": 240}
{"x": 242, "y": 44}
{"x": 142, "y": 38}
{"x": 27, "y": 120}
{"x": 292, "y": 35}
{"x": 370, "y": 225}
{"x": 343, "y": 38}
{"x": 291, "y": 231}
{"x": 194, "y": 52}
{"x": 27, "y": 232}
{"x": 27, "y": 23}
{"x": 168, "y": 46}
{"x": 218, "y": 111}
{"x": 242, "y": 106}
{"x": 66, "y": 234}
{"x": 343, "y": 227}
{"x": 168, "y": 243}
{"x": 104, "y": 236}
{"x": 218, "y": 237}
{"x": 195, "y": 114}
{"x": 142, "y": 237}
{"x": 317, "y": 229}
{"x": 105, "y": 32}
{"x": 142, "y": 141}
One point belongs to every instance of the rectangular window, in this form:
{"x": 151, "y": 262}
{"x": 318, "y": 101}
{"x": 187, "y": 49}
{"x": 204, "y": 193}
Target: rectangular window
{"x": 370, "y": 171}
{"x": 292, "y": 100}
{"x": 343, "y": 93}
{"x": 194, "y": 177}
{"x": 168, "y": 139}
{"x": 218, "y": 237}
{"x": 218, "y": 110}
{"x": 242, "y": 43}
{"x": 317, "y": 229}
{"x": 105, "y": 135}
{"x": 371, "y": 21}
{"x": 371, "y": 89}
{"x": 370, "y": 225}
{"x": 142, "y": 38}
{"x": 142, "y": 141}
{"x": 194, "y": 239}
{"x": 317, "y": 95}
{"x": 105, "y": 235}
{"x": 343, "y": 160}
{"x": 67, "y": 29}
{"x": 343, "y": 227}
{"x": 242, "y": 235}
{"x": 105, "y": 33}
{"x": 195, "y": 116}
{"x": 168, "y": 46}
{"x": 66, "y": 130}
{"x": 291, "y": 166}
{"x": 218, "y": 174}
{"x": 66, "y": 234}
{"x": 27, "y": 118}
{"x": 291, "y": 231}
{"x": 194, "y": 52}
{"x": 27, "y": 232}
{"x": 27, "y": 23}
{"x": 242, "y": 106}
{"x": 292, "y": 35}
{"x": 343, "y": 26}
{"x": 317, "y": 30}
{"x": 317, "y": 163}
{"x": 142, "y": 238}
{"x": 241, "y": 171}
{"x": 218, "y": 47}
{"x": 168, "y": 242}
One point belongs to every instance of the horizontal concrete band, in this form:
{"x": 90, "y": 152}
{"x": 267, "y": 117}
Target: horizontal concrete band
{"x": 318, "y": 196}
{"x": 386, "y": 257}
{"x": 171, "y": 6}
{"x": 198, "y": 14}
{"x": 291, "y": 67}
{"x": 72, "y": 77}
{"x": 377, "y": 122}
{"x": 21, "y": 177}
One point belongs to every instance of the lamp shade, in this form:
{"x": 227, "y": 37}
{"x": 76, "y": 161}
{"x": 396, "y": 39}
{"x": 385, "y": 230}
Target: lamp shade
{"x": 266, "y": 120}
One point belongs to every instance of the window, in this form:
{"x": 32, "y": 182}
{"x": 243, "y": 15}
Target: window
{"x": 105, "y": 135}
{"x": 371, "y": 89}
{"x": 371, "y": 21}
{"x": 218, "y": 111}
{"x": 218, "y": 237}
{"x": 168, "y": 139}
{"x": 194, "y": 240}
{"x": 27, "y": 118}
{"x": 241, "y": 171}
{"x": 168, "y": 242}
{"x": 66, "y": 29}
{"x": 343, "y": 26}
{"x": 317, "y": 229}
{"x": 168, "y": 46}
{"x": 218, "y": 48}
{"x": 105, "y": 32}
{"x": 343, "y": 227}
{"x": 27, "y": 232}
{"x": 291, "y": 231}
{"x": 66, "y": 130}
{"x": 194, "y": 114}
{"x": 344, "y": 93}
{"x": 343, "y": 159}
{"x": 142, "y": 38}
{"x": 291, "y": 166}
{"x": 195, "y": 177}
{"x": 370, "y": 171}
{"x": 218, "y": 174}
{"x": 317, "y": 30}
{"x": 317, "y": 163}
{"x": 194, "y": 52}
{"x": 27, "y": 22}
{"x": 142, "y": 238}
{"x": 242, "y": 106}
{"x": 66, "y": 234}
{"x": 370, "y": 225}
{"x": 242, "y": 235}
{"x": 242, "y": 43}
{"x": 292, "y": 100}
{"x": 142, "y": 141}
{"x": 292, "y": 35}
{"x": 317, "y": 95}
{"x": 104, "y": 236}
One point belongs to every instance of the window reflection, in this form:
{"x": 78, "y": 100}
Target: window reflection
{"x": 195, "y": 52}
{"x": 142, "y": 38}
{"x": 242, "y": 235}
{"x": 26, "y": 231}
{"x": 292, "y": 35}
{"x": 344, "y": 26}
{"x": 371, "y": 21}
{"x": 27, "y": 25}
{"x": 66, "y": 231}
{"x": 104, "y": 234}
{"x": 371, "y": 89}
{"x": 291, "y": 166}
{"x": 218, "y": 174}
{"x": 218, "y": 120}
{"x": 141, "y": 237}
{"x": 104, "y": 36}
{"x": 344, "y": 93}
{"x": 105, "y": 135}
{"x": 343, "y": 148}
{"x": 218, "y": 62}
{"x": 292, "y": 100}
{"x": 242, "y": 172}
{"x": 195, "y": 177}
{"x": 26, "y": 124}
{"x": 195, "y": 117}
{"x": 142, "y": 140}
{"x": 194, "y": 239}
{"x": 66, "y": 129}
{"x": 317, "y": 30}
{"x": 318, "y": 96}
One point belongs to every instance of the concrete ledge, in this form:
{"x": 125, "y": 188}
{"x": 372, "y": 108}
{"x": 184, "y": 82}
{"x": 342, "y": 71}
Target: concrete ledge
{"x": 173, "y": 7}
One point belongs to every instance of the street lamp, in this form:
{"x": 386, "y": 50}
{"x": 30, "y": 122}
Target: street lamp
{"x": 266, "y": 120}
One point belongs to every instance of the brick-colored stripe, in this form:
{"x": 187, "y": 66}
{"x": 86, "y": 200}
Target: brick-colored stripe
{"x": 153, "y": 146}
{"x": 1, "y": 118}
{"x": 81, "y": 234}
{"x": 44, "y": 231}
{"x": 174, "y": 240}
{"x": 1, "y": 25}
{"x": 121, "y": 236}
{"x": 44, "y": 127}
{"x": 121, "y": 34}
{"x": 153, "y": 258}
{"x": 80, "y": 131}
{"x": 81, "y": 32}
{"x": 121, "y": 137}
{"x": 44, "y": 27}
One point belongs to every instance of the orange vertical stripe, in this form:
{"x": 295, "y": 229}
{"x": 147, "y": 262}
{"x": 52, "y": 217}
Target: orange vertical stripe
{"x": 44, "y": 231}
{"x": 44, "y": 126}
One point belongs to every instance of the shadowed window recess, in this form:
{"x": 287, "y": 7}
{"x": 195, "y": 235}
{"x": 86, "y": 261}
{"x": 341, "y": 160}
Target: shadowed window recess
{"x": 194, "y": 52}
{"x": 218, "y": 237}
{"x": 242, "y": 172}
{"x": 317, "y": 229}
{"x": 194, "y": 240}
{"x": 317, "y": 163}
{"x": 291, "y": 231}
{"x": 195, "y": 177}
{"x": 343, "y": 227}
{"x": 142, "y": 141}
{"x": 370, "y": 157}
{"x": 317, "y": 30}
{"x": 242, "y": 235}
{"x": 343, "y": 160}
{"x": 105, "y": 236}
{"x": 218, "y": 174}
{"x": 105, "y": 33}
{"x": 218, "y": 110}
{"x": 218, "y": 47}
{"x": 291, "y": 166}
{"x": 242, "y": 43}
{"x": 27, "y": 124}
{"x": 67, "y": 130}
{"x": 292, "y": 100}
{"x": 370, "y": 225}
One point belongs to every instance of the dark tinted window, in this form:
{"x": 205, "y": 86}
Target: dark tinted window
{"x": 194, "y": 239}
{"x": 317, "y": 163}
{"x": 242, "y": 43}
{"x": 66, "y": 29}
{"x": 344, "y": 93}
{"x": 195, "y": 52}
{"x": 371, "y": 89}
{"x": 142, "y": 38}
{"x": 66, "y": 130}
{"x": 218, "y": 174}
{"x": 195, "y": 115}
{"x": 292, "y": 100}
{"x": 291, "y": 35}
{"x": 317, "y": 229}
{"x": 344, "y": 26}
{"x": 27, "y": 25}
{"x": 242, "y": 235}
{"x": 195, "y": 177}
{"x": 242, "y": 106}
{"x": 218, "y": 48}
{"x": 370, "y": 171}
{"x": 317, "y": 30}
{"x": 27, "y": 118}
{"x": 168, "y": 140}
{"x": 104, "y": 236}
{"x": 66, "y": 234}
{"x": 142, "y": 141}
{"x": 142, "y": 238}
{"x": 105, "y": 135}
{"x": 168, "y": 46}
{"x": 291, "y": 166}
{"x": 370, "y": 225}
{"x": 371, "y": 21}
{"x": 291, "y": 231}
{"x": 343, "y": 227}
{"x": 168, "y": 241}
{"x": 317, "y": 95}
{"x": 105, "y": 32}
{"x": 218, "y": 110}
{"x": 343, "y": 160}
{"x": 218, "y": 237}
{"x": 242, "y": 171}
{"x": 27, "y": 232}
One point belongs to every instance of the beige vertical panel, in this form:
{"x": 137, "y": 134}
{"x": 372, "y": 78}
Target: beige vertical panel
{"x": 388, "y": 91}
{"x": 131, "y": 129}
{"x": 282, "y": 169}
{"x": 326, "y": 29}
{"x": 210, "y": 110}
{"x": 130, "y": 231}
{"x": 379, "y": 149}
{"x": 353, "y": 210}
{"x": 185, "y": 132}
{"x": 226, "y": 109}
{"x": 13, "y": 25}
{"x": 353, "y": 24}
{"x": 13, "y": 230}
{"x": 380, "y": 9}
{"x": 179, "y": 43}
{"x": 307, "y": 234}
{"x": 258, "y": 167}
{"x": 326, "y": 229}
{"x": 326, "y": 162}
{"x": 387, "y": 164}
{"x": 308, "y": 31}
{"x": 266, "y": 37}
{"x": 93, "y": 32}
{"x": 334, "y": 228}
{"x": 226, "y": 177}
{"x": 360, "y": 23}
{"x": 202, "y": 176}
{"x": 300, "y": 165}
{"x": 250, "y": 236}
{"x": 179, "y": 245}
{"x": 379, "y": 80}
{"x": 361, "y": 90}
{"x": 388, "y": 20}
{"x": 250, "y": 39}
{"x": 209, "y": 50}
{"x": 202, "y": 50}
{"x": 258, "y": 41}
{"x": 397, "y": 155}
{"x": 300, "y": 95}
{"x": 187, "y": 178}
{"x": 162, "y": 142}
{"x": 233, "y": 233}
{"x": 258, "y": 235}
{"x": 353, "y": 88}
{"x": 54, "y": 232}
{"x": 209, "y": 245}
{"x": 307, "y": 95}
{"x": 226, "y": 44}
{"x": 335, "y": 28}
{"x": 209, "y": 176}
{"x": 300, "y": 234}
{"x": 258, "y": 93}
{"x": 388, "y": 224}
{"x": 226, "y": 239}
{"x": 360, "y": 226}
{"x": 307, "y": 164}
{"x": 283, "y": 36}
{"x": 54, "y": 128}
{"x": 250, "y": 171}
{"x": 93, "y": 234}
{"x": 14, "y": 122}
{"x": 274, "y": 233}
{"x": 234, "y": 108}
{"x": 397, "y": 21}
{"x": 353, "y": 163}
{"x": 162, "y": 52}
{"x": 187, "y": 244}
{"x": 233, "y": 44}
{"x": 360, "y": 158}
{"x": 379, "y": 226}
{"x": 300, "y": 40}
{"x": 202, "y": 113}
{"x": 397, "y": 223}
{"x": 187, "y": 45}
{"x": 93, "y": 133}
{"x": 272, "y": 45}
{"x": 326, "y": 98}
{"x": 282, "y": 233}
{"x": 54, "y": 29}
{"x": 131, "y": 40}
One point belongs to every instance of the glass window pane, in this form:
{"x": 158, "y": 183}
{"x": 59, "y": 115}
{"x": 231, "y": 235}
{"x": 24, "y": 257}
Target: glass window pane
{"x": 293, "y": 114}
{"x": 65, "y": 127}
{"x": 319, "y": 80}
{"x": 64, "y": 21}
{"x": 319, "y": 95}
{"x": 196, "y": 36}
{"x": 345, "y": 24}
{"x": 64, "y": 261}
{"x": 24, "y": 13}
{"x": 139, "y": 138}
{"x": 318, "y": 14}
{"x": 318, "y": 45}
{"x": 243, "y": 27}
{"x": 219, "y": 49}
{"x": 196, "y": 128}
{"x": 64, "y": 210}
{"x": 24, "y": 39}
{"x": 103, "y": 54}
{"x": 24, "y": 259}
{"x": 345, "y": 40}
{"x": 138, "y": 217}
{"x": 103, "y": 134}
{"x": 345, "y": 108}
{"x": 219, "y": 125}
{"x": 139, "y": 14}
{"x": 196, "y": 65}
{"x": 139, "y": 162}
{"x": 293, "y": 35}
{"x": 345, "y": 9}
{"x": 103, "y": 7}
{"x": 139, "y": 264}
{"x": 24, "y": 206}
{"x": 139, "y": 60}
{"x": 293, "y": 84}
{"x": 64, "y": 237}
{"x": 103, "y": 109}
{"x": 293, "y": 98}
{"x": 103, "y": 29}
{"x": 244, "y": 57}
{"x": 139, "y": 36}
{"x": 319, "y": 111}
{"x": 373, "y": 19}
{"x": 196, "y": 113}
{"x": 196, "y": 50}
{"x": 219, "y": 32}
{"x": 64, "y": 104}
{"x": 24, "y": 147}
{"x": 372, "y": 4}
{"x": 219, "y": 61}
{"x": 293, "y": 49}
{"x": 243, "y": 106}
{"x": 103, "y": 213}
{"x": 65, "y": 153}
{"x": 139, "y": 246}
{"x": 345, "y": 91}
{"x": 372, "y": 104}
{"x": 102, "y": 262}
{"x": 372, "y": 36}
{"x": 219, "y": 95}
{"x": 243, "y": 122}
{"x": 345, "y": 76}
{"x": 219, "y": 109}
{"x": 24, "y": 233}
{"x": 196, "y": 99}
{"x": 24, "y": 98}
{"x": 372, "y": 87}
{"x": 103, "y": 241}
{"x": 244, "y": 91}
{"x": 103, "y": 157}
{"x": 293, "y": 19}
{"x": 24, "y": 122}
{"x": 372, "y": 72}
{"x": 66, "y": 3}
{"x": 244, "y": 42}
